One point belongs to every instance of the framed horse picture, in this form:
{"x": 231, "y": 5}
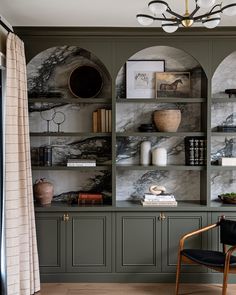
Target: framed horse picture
{"x": 140, "y": 77}
{"x": 173, "y": 84}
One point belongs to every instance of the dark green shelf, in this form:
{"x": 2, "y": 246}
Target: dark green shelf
{"x": 220, "y": 99}
{"x": 160, "y": 100}
{"x": 160, "y": 134}
{"x": 70, "y": 100}
{"x": 222, "y": 168}
{"x": 223, "y": 133}
{"x": 152, "y": 167}
{"x": 185, "y": 205}
{"x": 97, "y": 168}
{"x": 66, "y": 134}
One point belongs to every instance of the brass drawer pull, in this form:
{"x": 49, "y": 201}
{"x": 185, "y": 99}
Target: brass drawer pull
{"x": 66, "y": 217}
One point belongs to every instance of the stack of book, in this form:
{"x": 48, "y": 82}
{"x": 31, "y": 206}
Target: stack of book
{"x": 90, "y": 198}
{"x": 195, "y": 151}
{"x": 167, "y": 200}
{"x": 102, "y": 120}
{"x": 81, "y": 163}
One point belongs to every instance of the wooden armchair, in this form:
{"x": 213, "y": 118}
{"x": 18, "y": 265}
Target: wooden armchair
{"x": 219, "y": 261}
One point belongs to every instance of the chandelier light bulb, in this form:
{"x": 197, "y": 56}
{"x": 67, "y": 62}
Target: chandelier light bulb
{"x": 157, "y": 7}
{"x": 205, "y": 3}
{"x": 212, "y": 21}
{"x": 229, "y": 7}
{"x": 169, "y": 26}
{"x": 144, "y": 20}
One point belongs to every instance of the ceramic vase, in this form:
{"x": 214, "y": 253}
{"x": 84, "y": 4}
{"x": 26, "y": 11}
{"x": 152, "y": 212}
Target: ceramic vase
{"x": 43, "y": 191}
{"x": 145, "y": 153}
{"x": 159, "y": 157}
{"x": 167, "y": 120}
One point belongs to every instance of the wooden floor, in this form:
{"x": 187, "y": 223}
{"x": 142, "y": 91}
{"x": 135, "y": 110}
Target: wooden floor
{"x": 131, "y": 289}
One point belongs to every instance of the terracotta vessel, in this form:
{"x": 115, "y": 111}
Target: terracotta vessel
{"x": 167, "y": 120}
{"x": 43, "y": 191}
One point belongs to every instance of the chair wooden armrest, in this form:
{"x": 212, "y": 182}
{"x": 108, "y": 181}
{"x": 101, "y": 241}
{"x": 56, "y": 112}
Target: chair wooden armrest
{"x": 196, "y": 232}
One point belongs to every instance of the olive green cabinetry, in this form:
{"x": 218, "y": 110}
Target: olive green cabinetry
{"x": 74, "y": 242}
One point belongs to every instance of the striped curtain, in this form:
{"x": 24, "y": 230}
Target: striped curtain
{"x": 20, "y": 238}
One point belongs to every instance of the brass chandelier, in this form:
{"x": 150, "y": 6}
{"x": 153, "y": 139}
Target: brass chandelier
{"x": 173, "y": 20}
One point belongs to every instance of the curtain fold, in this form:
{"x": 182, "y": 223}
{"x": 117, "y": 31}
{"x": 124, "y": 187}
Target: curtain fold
{"x": 20, "y": 236}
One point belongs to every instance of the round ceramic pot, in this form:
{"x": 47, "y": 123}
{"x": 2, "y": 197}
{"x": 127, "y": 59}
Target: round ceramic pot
{"x": 43, "y": 191}
{"x": 167, "y": 120}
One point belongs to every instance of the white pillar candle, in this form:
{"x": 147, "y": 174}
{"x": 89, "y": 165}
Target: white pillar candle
{"x": 145, "y": 153}
{"x": 159, "y": 157}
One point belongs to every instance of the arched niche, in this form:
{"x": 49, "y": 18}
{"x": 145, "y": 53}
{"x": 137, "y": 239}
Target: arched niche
{"x": 176, "y": 60}
{"x": 224, "y": 77}
{"x": 49, "y": 71}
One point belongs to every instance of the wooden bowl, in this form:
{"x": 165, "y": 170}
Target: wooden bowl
{"x": 227, "y": 199}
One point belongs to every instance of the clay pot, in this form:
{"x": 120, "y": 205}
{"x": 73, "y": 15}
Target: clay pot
{"x": 167, "y": 120}
{"x": 43, "y": 191}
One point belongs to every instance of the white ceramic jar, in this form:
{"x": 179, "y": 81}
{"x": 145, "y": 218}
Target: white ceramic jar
{"x": 145, "y": 153}
{"x": 159, "y": 157}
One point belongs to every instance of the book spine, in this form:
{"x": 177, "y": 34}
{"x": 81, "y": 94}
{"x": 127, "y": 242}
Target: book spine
{"x": 110, "y": 121}
{"x": 99, "y": 118}
{"x": 106, "y": 120}
{"x": 95, "y": 121}
{"x": 103, "y": 120}
{"x": 196, "y": 152}
{"x": 90, "y": 196}
{"x": 189, "y": 151}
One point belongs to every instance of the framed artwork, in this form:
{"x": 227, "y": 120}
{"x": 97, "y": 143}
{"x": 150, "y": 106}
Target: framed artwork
{"x": 140, "y": 77}
{"x": 173, "y": 84}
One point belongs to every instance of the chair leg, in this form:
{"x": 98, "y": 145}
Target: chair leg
{"x": 178, "y": 273}
{"x": 225, "y": 280}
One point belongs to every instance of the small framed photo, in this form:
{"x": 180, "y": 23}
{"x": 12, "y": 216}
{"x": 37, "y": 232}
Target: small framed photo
{"x": 140, "y": 77}
{"x": 173, "y": 84}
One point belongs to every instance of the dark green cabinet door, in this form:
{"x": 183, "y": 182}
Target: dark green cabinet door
{"x": 138, "y": 242}
{"x": 89, "y": 242}
{"x": 50, "y": 229}
{"x": 175, "y": 225}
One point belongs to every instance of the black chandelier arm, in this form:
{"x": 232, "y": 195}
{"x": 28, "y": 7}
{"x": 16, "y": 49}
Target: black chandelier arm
{"x": 199, "y": 17}
{"x": 156, "y": 18}
{"x": 217, "y": 5}
{"x": 194, "y": 11}
{"x": 174, "y": 14}
{"x": 227, "y": 6}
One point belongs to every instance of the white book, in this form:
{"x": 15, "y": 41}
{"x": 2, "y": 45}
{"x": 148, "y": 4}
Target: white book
{"x": 81, "y": 164}
{"x": 81, "y": 161}
{"x": 159, "y": 204}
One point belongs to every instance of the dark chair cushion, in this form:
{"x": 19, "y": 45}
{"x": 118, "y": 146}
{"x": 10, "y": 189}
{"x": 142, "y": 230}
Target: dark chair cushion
{"x": 228, "y": 232}
{"x": 208, "y": 258}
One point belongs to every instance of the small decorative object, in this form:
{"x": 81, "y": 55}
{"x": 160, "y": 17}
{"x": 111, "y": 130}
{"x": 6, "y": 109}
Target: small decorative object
{"x": 146, "y": 128}
{"x": 140, "y": 77}
{"x": 85, "y": 81}
{"x": 226, "y": 128}
{"x": 227, "y": 161}
{"x": 145, "y": 157}
{"x": 90, "y": 198}
{"x": 173, "y": 84}
{"x": 195, "y": 150}
{"x": 167, "y": 120}
{"x": 230, "y": 92}
{"x": 43, "y": 191}
{"x": 59, "y": 119}
{"x": 157, "y": 189}
{"x": 48, "y": 116}
{"x": 228, "y": 198}
{"x": 159, "y": 157}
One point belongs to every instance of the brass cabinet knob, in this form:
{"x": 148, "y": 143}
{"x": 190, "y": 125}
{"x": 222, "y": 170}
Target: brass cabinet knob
{"x": 162, "y": 217}
{"x": 66, "y": 217}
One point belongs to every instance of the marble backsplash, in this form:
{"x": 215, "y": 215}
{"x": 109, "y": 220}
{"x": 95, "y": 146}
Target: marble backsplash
{"x": 222, "y": 182}
{"x": 185, "y": 185}
{"x": 129, "y": 116}
{"x": 223, "y": 114}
